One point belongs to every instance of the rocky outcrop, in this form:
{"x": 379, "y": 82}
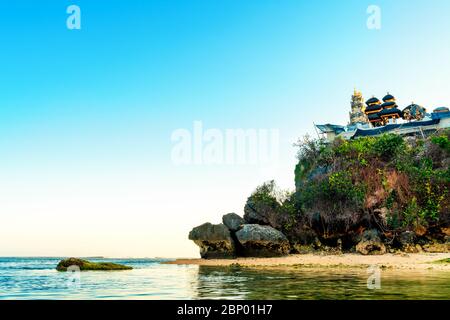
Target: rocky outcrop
{"x": 302, "y": 238}
{"x": 262, "y": 241}
{"x": 436, "y": 247}
{"x": 407, "y": 242}
{"x": 234, "y": 238}
{"x": 233, "y": 221}
{"x": 214, "y": 240}
{"x": 351, "y": 196}
{"x": 85, "y": 265}
{"x": 371, "y": 243}
{"x": 446, "y": 231}
{"x": 259, "y": 212}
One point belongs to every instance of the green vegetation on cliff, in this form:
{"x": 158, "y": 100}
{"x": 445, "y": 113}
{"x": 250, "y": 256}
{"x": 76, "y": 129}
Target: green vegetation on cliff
{"x": 389, "y": 190}
{"x": 407, "y": 179}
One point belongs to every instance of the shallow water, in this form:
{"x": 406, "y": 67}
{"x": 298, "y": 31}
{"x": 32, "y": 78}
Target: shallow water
{"x": 36, "y": 278}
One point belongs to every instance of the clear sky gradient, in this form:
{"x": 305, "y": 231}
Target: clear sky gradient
{"x": 86, "y": 116}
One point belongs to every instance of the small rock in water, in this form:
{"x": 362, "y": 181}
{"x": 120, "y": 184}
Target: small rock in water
{"x": 85, "y": 265}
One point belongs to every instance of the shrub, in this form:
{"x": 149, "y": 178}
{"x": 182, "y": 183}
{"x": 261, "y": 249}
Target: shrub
{"x": 311, "y": 155}
{"x": 411, "y": 214}
{"x": 442, "y": 141}
{"x": 266, "y": 194}
{"x": 393, "y": 220}
{"x": 341, "y": 186}
{"x": 270, "y": 195}
{"x": 388, "y": 145}
{"x": 430, "y": 187}
{"x": 359, "y": 148}
{"x": 308, "y": 148}
{"x": 434, "y": 195}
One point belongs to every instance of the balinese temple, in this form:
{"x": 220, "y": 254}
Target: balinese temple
{"x": 378, "y": 117}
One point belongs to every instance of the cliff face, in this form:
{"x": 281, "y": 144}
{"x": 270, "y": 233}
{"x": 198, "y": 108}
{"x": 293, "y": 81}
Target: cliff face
{"x": 391, "y": 185}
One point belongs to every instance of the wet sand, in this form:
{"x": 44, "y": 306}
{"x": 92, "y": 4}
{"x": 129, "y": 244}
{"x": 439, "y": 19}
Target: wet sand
{"x": 396, "y": 261}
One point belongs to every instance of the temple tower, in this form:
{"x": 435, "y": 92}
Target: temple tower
{"x": 357, "y": 114}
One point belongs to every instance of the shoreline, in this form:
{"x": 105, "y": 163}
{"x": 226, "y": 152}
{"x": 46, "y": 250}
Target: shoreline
{"x": 420, "y": 261}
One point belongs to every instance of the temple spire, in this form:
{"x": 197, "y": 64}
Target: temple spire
{"x": 357, "y": 114}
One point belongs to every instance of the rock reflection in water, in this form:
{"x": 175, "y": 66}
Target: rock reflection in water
{"x": 320, "y": 283}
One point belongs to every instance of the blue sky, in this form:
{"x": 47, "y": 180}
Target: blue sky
{"x": 86, "y": 116}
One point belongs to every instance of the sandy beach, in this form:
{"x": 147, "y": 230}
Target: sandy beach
{"x": 395, "y": 261}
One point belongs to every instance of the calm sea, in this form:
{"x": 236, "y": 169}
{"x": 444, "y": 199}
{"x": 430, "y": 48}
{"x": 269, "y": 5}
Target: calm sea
{"x": 36, "y": 278}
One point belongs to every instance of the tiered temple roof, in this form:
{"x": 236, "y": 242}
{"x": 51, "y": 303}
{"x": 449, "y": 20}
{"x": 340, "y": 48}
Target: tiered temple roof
{"x": 372, "y": 110}
{"x": 390, "y": 109}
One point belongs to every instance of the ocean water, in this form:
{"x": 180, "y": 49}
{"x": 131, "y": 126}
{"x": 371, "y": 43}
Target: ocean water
{"x": 36, "y": 278}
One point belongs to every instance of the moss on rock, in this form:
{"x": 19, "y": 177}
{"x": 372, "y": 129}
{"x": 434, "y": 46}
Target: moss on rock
{"x": 85, "y": 265}
{"x": 442, "y": 261}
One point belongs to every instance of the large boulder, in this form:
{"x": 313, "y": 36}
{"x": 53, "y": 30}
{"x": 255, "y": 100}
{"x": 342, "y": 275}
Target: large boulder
{"x": 262, "y": 241}
{"x": 214, "y": 240}
{"x": 259, "y": 212}
{"x": 371, "y": 243}
{"x": 233, "y": 221}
